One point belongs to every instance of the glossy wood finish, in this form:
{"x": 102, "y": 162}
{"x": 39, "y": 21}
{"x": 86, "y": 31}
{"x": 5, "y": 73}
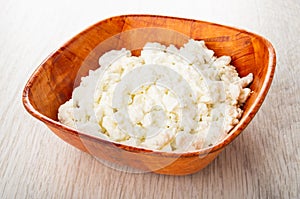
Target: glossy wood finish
{"x": 52, "y": 83}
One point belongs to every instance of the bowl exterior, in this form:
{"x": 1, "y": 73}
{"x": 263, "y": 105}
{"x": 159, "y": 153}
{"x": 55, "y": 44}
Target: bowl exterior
{"x": 143, "y": 161}
{"x": 52, "y": 83}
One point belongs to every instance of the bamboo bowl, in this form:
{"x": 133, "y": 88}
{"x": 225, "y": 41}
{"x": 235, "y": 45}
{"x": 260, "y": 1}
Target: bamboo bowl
{"x": 53, "y": 82}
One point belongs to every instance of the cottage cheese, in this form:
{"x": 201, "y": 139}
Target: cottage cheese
{"x": 166, "y": 99}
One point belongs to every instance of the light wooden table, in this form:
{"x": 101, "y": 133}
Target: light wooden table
{"x": 264, "y": 162}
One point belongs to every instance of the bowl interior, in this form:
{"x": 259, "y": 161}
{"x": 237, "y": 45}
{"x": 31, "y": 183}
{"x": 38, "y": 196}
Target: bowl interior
{"x": 53, "y": 82}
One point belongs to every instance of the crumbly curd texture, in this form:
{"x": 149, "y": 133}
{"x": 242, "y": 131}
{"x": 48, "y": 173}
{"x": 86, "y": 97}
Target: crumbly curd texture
{"x": 157, "y": 116}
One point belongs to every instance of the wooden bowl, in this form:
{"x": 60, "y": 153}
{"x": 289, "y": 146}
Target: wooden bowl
{"x": 53, "y": 82}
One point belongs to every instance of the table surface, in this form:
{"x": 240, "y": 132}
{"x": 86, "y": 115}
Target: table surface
{"x": 34, "y": 163}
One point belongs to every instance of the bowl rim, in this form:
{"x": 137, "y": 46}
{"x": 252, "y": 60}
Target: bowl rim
{"x": 233, "y": 133}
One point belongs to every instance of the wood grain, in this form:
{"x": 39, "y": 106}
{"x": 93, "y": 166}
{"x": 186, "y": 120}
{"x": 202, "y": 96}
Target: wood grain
{"x": 262, "y": 163}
